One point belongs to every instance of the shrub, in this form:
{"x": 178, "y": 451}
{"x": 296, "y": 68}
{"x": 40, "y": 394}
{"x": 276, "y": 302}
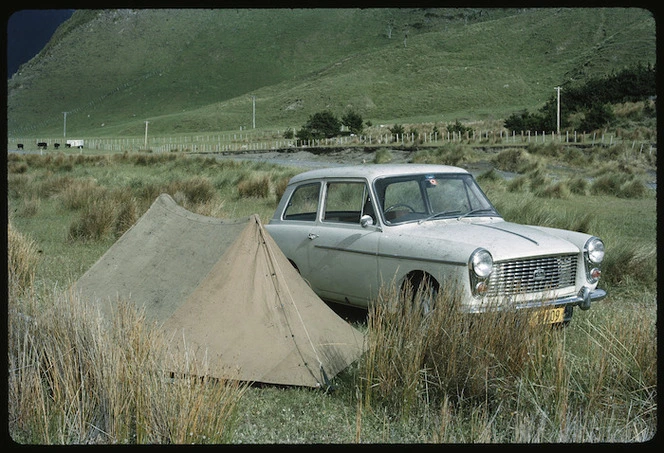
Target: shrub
{"x": 81, "y": 192}
{"x": 489, "y": 176}
{"x": 289, "y": 134}
{"x": 94, "y": 223}
{"x": 196, "y": 190}
{"x": 353, "y": 121}
{"x": 254, "y": 188}
{"x": 22, "y": 260}
{"x": 320, "y": 125}
{"x": 459, "y": 128}
{"x": 382, "y": 156}
{"x": 608, "y": 184}
{"x": 538, "y": 180}
{"x": 556, "y": 190}
{"x": 449, "y": 154}
{"x": 126, "y": 211}
{"x": 634, "y": 188}
{"x": 518, "y": 184}
{"x": 628, "y": 264}
{"x": 397, "y": 130}
{"x": 280, "y": 187}
{"x": 578, "y": 185}
{"x": 514, "y": 160}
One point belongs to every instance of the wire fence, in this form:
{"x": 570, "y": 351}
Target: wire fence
{"x": 265, "y": 141}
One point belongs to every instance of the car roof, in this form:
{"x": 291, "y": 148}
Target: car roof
{"x": 373, "y": 171}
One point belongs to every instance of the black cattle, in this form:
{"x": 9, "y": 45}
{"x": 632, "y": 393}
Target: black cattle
{"x": 20, "y": 146}
{"x": 42, "y": 145}
{"x": 67, "y": 145}
{"x": 56, "y": 145}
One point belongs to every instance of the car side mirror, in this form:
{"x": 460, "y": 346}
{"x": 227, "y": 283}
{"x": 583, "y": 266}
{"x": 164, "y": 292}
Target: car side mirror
{"x": 366, "y": 220}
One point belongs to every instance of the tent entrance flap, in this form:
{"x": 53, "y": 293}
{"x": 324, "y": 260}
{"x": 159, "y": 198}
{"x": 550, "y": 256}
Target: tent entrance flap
{"x": 225, "y": 289}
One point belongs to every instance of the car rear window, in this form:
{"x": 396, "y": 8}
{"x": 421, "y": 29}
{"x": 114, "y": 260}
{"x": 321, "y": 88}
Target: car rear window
{"x": 303, "y": 203}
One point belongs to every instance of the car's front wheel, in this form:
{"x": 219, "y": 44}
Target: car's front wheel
{"x": 420, "y": 292}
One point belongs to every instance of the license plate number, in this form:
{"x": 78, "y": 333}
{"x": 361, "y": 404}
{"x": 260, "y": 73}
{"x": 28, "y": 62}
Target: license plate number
{"x": 549, "y": 316}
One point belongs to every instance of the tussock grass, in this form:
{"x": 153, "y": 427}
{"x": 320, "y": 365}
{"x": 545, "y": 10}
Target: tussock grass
{"x": 497, "y": 377}
{"x": 81, "y": 192}
{"x": 254, "y": 188}
{"x": 629, "y": 264}
{"x": 22, "y": 259}
{"x": 382, "y": 156}
{"x": 94, "y": 222}
{"x": 77, "y": 378}
{"x": 619, "y": 185}
{"x": 531, "y": 211}
{"x": 443, "y": 353}
{"x": 449, "y": 154}
{"x": 515, "y": 160}
{"x": 438, "y": 378}
{"x": 558, "y": 189}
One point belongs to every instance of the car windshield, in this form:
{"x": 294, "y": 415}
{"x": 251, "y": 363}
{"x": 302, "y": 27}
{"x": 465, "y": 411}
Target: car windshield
{"x": 431, "y": 196}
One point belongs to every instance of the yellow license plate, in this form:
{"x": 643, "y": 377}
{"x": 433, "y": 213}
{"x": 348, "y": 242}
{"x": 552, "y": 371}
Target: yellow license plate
{"x": 548, "y": 316}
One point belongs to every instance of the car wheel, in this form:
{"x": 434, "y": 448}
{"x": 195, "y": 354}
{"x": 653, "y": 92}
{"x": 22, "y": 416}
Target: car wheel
{"x": 420, "y": 293}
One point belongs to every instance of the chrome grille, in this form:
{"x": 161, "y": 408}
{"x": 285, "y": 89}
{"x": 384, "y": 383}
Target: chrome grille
{"x": 532, "y": 275}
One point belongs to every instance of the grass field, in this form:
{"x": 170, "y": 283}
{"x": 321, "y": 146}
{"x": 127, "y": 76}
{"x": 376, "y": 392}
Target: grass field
{"x": 73, "y": 381}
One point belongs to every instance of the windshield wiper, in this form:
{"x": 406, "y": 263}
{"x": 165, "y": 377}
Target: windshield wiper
{"x": 439, "y": 214}
{"x": 473, "y": 211}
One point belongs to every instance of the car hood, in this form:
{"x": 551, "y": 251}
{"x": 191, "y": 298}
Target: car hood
{"x": 504, "y": 240}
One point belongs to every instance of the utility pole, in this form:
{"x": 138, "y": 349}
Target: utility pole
{"x": 253, "y": 101}
{"x": 65, "y": 126}
{"x": 558, "y": 115}
{"x": 146, "y": 135}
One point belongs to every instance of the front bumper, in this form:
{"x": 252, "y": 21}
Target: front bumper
{"x": 583, "y": 299}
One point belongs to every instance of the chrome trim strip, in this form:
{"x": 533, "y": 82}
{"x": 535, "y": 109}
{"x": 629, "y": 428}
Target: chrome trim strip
{"x": 397, "y": 257}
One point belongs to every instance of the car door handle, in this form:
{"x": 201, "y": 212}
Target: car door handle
{"x": 312, "y": 236}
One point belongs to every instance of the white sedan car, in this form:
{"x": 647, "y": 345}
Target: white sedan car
{"x": 350, "y": 230}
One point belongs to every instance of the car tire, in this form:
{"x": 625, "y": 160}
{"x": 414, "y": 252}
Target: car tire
{"x": 420, "y": 293}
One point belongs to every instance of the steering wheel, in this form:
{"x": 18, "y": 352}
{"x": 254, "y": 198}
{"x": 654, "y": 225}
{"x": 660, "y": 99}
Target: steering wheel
{"x": 399, "y": 205}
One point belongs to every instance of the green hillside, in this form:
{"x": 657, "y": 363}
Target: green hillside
{"x": 197, "y": 70}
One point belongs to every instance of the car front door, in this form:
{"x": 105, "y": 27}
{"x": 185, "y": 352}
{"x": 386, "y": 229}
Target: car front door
{"x": 343, "y": 261}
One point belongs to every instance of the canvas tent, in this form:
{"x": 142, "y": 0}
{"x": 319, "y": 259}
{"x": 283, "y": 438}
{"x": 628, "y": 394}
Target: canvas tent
{"x": 226, "y": 288}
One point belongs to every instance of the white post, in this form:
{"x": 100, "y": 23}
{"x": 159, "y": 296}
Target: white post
{"x": 558, "y": 115}
{"x": 146, "y": 135}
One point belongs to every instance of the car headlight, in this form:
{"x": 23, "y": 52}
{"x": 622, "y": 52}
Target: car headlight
{"x": 593, "y": 253}
{"x": 481, "y": 263}
{"x": 480, "y": 266}
{"x": 595, "y": 250}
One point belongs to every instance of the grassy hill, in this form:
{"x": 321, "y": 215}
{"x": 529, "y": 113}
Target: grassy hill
{"x": 197, "y": 70}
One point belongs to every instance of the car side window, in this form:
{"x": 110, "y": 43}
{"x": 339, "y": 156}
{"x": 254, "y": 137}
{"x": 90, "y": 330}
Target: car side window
{"x": 344, "y": 201}
{"x": 303, "y": 204}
